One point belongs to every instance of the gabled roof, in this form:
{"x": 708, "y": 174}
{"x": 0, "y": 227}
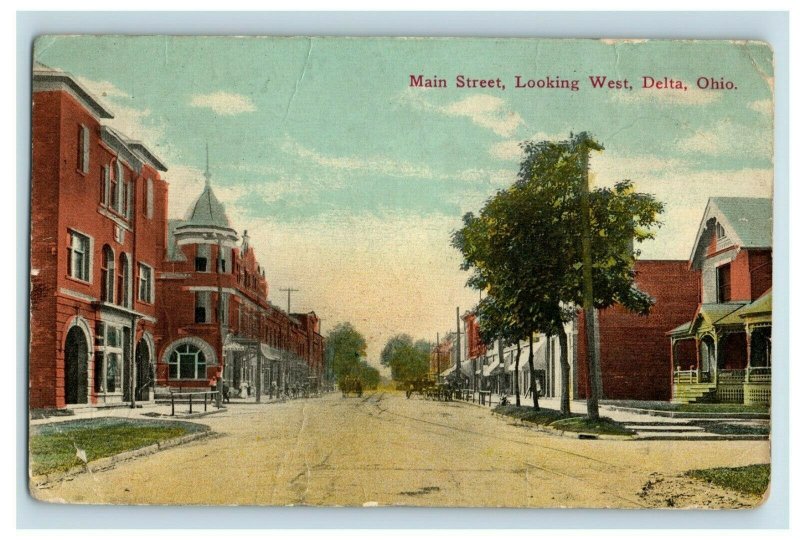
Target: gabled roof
{"x": 747, "y": 221}
{"x": 716, "y": 314}
{"x": 761, "y": 306}
{"x": 207, "y": 211}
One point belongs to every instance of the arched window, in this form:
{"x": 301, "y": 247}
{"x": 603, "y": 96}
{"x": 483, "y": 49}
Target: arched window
{"x": 107, "y": 274}
{"x": 123, "y": 281}
{"x": 187, "y": 361}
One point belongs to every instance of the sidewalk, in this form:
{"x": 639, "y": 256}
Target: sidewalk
{"x": 654, "y": 427}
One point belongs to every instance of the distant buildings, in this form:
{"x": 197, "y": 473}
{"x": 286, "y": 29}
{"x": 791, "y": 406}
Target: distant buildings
{"x": 124, "y": 302}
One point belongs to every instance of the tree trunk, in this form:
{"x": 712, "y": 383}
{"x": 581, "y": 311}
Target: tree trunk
{"x": 516, "y": 375}
{"x": 534, "y": 389}
{"x": 562, "y": 343}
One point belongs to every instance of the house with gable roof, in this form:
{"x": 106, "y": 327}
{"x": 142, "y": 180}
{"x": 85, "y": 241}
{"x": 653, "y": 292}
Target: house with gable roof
{"x": 724, "y": 352}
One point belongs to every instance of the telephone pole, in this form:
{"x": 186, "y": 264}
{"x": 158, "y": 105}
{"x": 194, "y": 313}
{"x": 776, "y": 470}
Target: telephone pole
{"x": 458, "y": 345}
{"x": 595, "y": 385}
{"x": 289, "y": 292}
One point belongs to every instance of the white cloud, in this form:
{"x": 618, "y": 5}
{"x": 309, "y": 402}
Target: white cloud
{"x": 484, "y": 110}
{"x": 763, "y": 106}
{"x": 729, "y": 139}
{"x": 135, "y": 123}
{"x": 510, "y": 150}
{"x": 377, "y": 164}
{"x": 692, "y": 96}
{"x": 103, "y": 89}
{"x": 224, "y": 103}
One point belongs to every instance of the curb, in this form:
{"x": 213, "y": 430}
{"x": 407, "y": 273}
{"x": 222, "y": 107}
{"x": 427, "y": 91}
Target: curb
{"x": 561, "y": 433}
{"x": 108, "y": 462}
{"x": 680, "y": 414}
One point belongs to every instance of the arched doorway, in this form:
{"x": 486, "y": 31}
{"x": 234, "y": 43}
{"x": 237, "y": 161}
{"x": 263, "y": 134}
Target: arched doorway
{"x": 76, "y": 357}
{"x": 144, "y": 370}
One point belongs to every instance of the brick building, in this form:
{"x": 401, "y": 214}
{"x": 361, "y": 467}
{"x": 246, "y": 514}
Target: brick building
{"x": 634, "y": 354}
{"x": 216, "y": 320}
{"x": 98, "y": 216}
{"x": 123, "y": 300}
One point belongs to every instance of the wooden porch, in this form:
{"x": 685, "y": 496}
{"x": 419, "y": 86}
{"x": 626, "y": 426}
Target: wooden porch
{"x": 749, "y": 386}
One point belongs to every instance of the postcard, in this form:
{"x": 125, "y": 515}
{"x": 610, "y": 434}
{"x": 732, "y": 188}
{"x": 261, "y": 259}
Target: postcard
{"x": 440, "y": 272}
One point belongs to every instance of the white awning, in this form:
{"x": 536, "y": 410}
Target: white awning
{"x": 487, "y": 370}
{"x": 270, "y": 353}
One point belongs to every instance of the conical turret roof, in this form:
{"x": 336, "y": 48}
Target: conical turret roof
{"x": 207, "y": 210}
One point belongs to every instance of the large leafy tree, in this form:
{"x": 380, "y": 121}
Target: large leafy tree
{"x": 345, "y": 346}
{"x": 525, "y": 246}
{"x": 407, "y": 359}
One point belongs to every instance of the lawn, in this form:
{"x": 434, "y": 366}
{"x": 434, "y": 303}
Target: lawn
{"x": 54, "y": 447}
{"x": 751, "y": 479}
{"x": 689, "y": 407}
{"x": 557, "y": 420}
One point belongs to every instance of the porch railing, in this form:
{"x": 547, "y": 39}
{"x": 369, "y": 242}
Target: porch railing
{"x": 731, "y": 376}
{"x": 759, "y": 375}
{"x": 687, "y": 376}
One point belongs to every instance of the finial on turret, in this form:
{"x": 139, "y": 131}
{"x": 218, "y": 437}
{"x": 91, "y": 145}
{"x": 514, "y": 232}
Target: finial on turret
{"x": 207, "y": 174}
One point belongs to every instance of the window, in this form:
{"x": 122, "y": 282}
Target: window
{"x": 145, "y": 283}
{"x": 201, "y": 259}
{"x": 107, "y": 275}
{"x": 202, "y": 302}
{"x": 225, "y": 310}
{"x": 83, "y": 149}
{"x": 187, "y": 361}
{"x": 724, "y": 283}
{"x": 108, "y": 361}
{"x": 105, "y": 185}
{"x": 720, "y": 231}
{"x": 225, "y": 255}
{"x": 79, "y": 256}
{"x": 124, "y": 285}
{"x": 148, "y": 204}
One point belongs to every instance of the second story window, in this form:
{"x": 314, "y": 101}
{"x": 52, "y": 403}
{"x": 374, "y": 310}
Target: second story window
{"x": 83, "y": 149}
{"x": 148, "y": 202}
{"x": 80, "y": 256}
{"x": 202, "y": 305}
{"x": 107, "y": 275}
{"x": 724, "y": 283}
{"x": 201, "y": 258}
{"x": 146, "y": 288}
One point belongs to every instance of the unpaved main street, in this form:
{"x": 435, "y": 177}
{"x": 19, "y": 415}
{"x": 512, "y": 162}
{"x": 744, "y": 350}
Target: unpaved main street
{"x": 384, "y": 449}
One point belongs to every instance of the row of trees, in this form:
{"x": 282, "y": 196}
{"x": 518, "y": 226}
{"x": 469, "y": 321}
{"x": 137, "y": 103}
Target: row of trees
{"x": 408, "y": 359}
{"x": 548, "y": 245}
{"x": 345, "y": 348}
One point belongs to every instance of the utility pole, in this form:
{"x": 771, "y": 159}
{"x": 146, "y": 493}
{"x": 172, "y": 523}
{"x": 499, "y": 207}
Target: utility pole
{"x": 438, "y": 366}
{"x": 289, "y": 292}
{"x": 595, "y": 387}
{"x": 220, "y": 319}
{"x": 458, "y": 345}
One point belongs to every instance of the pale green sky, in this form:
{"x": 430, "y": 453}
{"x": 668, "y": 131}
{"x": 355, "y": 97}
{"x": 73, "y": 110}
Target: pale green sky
{"x": 350, "y": 182}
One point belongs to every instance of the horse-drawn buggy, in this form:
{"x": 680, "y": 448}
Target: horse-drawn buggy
{"x": 351, "y": 385}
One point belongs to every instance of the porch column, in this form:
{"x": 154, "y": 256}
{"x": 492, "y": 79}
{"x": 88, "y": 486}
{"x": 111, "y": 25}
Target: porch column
{"x": 715, "y": 359}
{"x": 697, "y": 357}
{"x": 748, "y": 334}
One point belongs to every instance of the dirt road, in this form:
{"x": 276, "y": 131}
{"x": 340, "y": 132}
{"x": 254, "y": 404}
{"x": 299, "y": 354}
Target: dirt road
{"x": 386, "y": 450}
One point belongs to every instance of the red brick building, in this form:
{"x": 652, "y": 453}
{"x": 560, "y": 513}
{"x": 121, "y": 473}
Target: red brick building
{"x": 98, "y": 216}
{"x": 634, "y": 353}
{"x": 216, "y": 319}
{"x": 123, "y": 300}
